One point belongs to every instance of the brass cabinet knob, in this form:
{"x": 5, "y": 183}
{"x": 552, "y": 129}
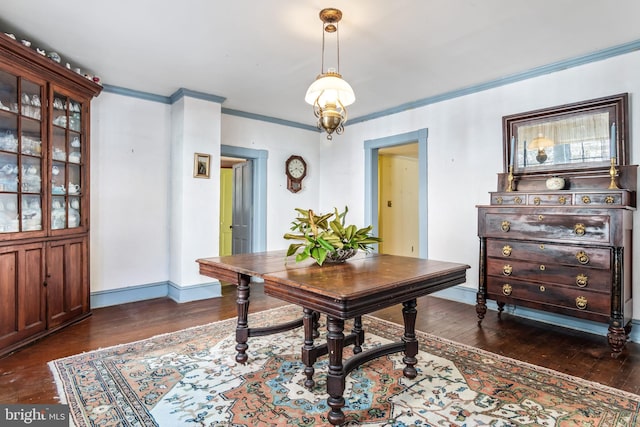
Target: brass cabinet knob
{"x": 506, "y": 226}
{"x": 499, "y": 200}
{"x": 579, "y": 229}
{"x": 518, "y": 200}
{"x": 507, "y": 270}
{"x": 609, "y": 200}
{"x": 540, "y": 217}
{"x": 586, "y": 200}
{"x": 506, "y": 250}
{"x": 582, "y": 257}
{"x": 542, "y": 267}
{"x": 542, "y": 288}
{"x": 582, "y": 280}
{"x": 536, "y": 200}
{"x": 507, "y": 289}
{"x": 562, "y": 200}
{"x": 581, "y": 303}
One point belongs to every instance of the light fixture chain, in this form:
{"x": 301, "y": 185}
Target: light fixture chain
{"x": 322, "y": 62}
{"x": 338, "y": 45}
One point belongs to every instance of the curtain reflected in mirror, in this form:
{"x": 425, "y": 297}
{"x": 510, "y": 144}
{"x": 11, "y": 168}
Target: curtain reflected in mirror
{"x": 572, "y": 137}
{"x": 580, "y": 139}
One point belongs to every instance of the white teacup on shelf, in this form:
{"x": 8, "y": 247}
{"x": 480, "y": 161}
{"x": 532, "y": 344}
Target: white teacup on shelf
{"x": 74, "y": 188}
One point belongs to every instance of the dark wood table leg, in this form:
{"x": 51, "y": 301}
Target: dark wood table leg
{"x": 409, "y": 313}
{"x": 242, "y": 328}
{"x": 336, "y": 373}
{"x": 359, "y": 335}
{"x": 310, "y": 324}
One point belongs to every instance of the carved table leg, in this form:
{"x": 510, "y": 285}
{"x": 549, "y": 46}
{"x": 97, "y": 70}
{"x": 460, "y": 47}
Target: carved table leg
{"x": 310, "y": 324}
{"x": 242, "y": 328}
{"x": 359, "y": 332}
{"x": 336, "y": 374}
{"x": 316, "y": 323}
{"x": 409, "y": 338}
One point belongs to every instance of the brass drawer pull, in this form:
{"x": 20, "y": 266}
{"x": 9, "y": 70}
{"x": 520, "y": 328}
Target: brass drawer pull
{"x": 609, "y": 200}
{"x": 579, "y": 229}
{"x": 542, "y": 267}
{"x": 506, "y": 250}
{"x": 506, "y": 226}
{"x": 581, "y": 303}
{"x": 582, "y": 257}
{"x": 507, "y": 270}
{"x": 562, "y": 200}
{"x": 518, "y": 200}
{"x": 536, "y": 200}
{"x": 541, "y": 247}
{"x": 507, "y": 289}
{"x": 542, "y": 288}
{"x": 582, "y": 280}
{"x": 540, "y": 217}
{"x": 499, "y": 200}
{"x": 586, "y": 200}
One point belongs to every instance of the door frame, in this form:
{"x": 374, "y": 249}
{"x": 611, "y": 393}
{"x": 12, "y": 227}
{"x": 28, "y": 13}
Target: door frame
{"x": 371, "y": 202}
{"x": 259, "y": 221}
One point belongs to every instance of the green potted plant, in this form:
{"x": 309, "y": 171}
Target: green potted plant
{"x": 326, "y": 237}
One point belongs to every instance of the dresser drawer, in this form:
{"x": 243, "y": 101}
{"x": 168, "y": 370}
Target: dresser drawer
{"x": 571, "y": 228}
{"x": 549, "y": 253}
{"x": 575, "y": 299}
{"x": 603, "y": 199}
{"x": 550, "y": 199}
{"x": 573, "y": 277}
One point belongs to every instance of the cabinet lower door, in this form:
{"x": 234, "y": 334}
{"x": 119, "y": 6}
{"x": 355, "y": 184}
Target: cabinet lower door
{"x": 67, "y": 280}
{"x": 22, "y": 296}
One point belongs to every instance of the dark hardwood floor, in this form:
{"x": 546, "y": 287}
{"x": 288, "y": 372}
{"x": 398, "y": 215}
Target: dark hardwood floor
{"x": 25, "y": 376}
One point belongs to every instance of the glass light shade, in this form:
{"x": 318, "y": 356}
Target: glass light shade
{"x": 540, "y": 143}
{"x": 330, "y": 87}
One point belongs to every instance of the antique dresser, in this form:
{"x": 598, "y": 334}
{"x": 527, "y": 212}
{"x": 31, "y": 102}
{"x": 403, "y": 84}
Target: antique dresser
{"x": 557, "y": 235}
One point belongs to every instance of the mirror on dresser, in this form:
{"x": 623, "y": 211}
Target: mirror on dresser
{"x": 557, "y": 234}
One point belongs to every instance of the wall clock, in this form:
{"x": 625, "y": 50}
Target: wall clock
{"x": 296, "y": 170}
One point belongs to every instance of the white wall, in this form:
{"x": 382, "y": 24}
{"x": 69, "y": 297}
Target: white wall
{"x": 130, "y": 243}
{"x": 129, "y": 192}
{"x": 280, "y": 142}
{"x": 465, "y": 150}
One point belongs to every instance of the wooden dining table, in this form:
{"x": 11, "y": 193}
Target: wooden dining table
{"x": 342, "y": 291}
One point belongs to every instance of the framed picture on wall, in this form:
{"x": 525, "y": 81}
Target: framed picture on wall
{"x": 201, "y": 164}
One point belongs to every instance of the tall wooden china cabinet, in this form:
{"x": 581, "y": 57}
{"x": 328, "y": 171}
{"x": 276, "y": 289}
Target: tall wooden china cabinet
{"x": 557, "y": 235}
{"x": 44, "y": 195}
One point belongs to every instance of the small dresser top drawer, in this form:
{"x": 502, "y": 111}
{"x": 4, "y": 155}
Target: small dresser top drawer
{"x": 549, "y": 226}
{"x": 549, "y": 253}
{"x": 604, "y": 199}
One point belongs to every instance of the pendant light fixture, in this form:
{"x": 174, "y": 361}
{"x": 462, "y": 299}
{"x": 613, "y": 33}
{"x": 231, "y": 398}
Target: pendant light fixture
{"x": 329, "y": 93}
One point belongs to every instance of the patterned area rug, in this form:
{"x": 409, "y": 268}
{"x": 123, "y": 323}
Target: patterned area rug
{"x": 190, "y": 378}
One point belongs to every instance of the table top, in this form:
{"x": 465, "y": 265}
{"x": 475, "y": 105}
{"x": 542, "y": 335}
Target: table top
{"x": 364, "y": 283}
{"x": 257, "y": 264}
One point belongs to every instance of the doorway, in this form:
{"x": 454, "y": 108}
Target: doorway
{"x": 373, "y": 199}
{"x": 243, "y": 201}
{"x": 398, "y": 200}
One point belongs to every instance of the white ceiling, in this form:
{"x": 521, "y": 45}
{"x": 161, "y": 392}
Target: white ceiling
{"x": 261, "y": 55}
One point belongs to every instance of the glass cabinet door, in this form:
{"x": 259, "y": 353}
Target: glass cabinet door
{"x": 66, "y": 162}
{"x": 21, "y": 159}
